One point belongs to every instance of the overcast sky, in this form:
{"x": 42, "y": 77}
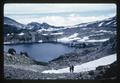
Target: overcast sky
{"x": 67, "y": 14}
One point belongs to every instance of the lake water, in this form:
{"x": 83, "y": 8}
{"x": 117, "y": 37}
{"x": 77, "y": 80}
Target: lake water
{"x": 41, "y": 52}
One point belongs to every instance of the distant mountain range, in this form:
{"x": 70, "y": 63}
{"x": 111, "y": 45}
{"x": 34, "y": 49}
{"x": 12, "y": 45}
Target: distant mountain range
{"x": 110, "y": 22}
{"x": 91, "y": 32}
{"x": 11, "y": 25}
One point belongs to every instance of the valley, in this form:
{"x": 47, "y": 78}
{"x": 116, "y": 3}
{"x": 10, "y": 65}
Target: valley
{"x": 91, "y": 42}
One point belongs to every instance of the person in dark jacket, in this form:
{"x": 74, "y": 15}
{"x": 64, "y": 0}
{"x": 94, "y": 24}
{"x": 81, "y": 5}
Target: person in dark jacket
{"x": 72, "y": 68}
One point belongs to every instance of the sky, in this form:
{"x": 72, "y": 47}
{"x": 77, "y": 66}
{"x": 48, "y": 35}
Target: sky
{"x": 59, "y": 14}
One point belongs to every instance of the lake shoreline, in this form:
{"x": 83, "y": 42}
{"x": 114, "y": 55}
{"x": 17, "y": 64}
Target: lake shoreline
{"x": 39, "y": 51}
{"x": 34, "y": 43}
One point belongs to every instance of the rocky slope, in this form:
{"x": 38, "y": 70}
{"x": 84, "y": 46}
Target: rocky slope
{"x": 83, "y": 55}
{"x": 12, "y": 26}
{"x": 17, "y": 59}
{"x": 101, "y": 73}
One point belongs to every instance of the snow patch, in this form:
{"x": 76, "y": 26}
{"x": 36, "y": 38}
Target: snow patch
{"x": 84, "y": 39}
{"x": 98, "y": 34}
{"x": 100, "y": 24}
{"x": 40, "y": 41}
{"x": 88, "y": 66}
{"x": 74, "y": 35}
{"x": 7, "y": 42}
{"x": 60, "y": 33}
{"x": 45, "y": 34}
{"x": 101, "y": 40}
{"x": 69, "y": 38}
{"x": 40, "y": 30}
{"x": 50, "y": 29}
{"x": 108, "y": 23}
{"x": 8, "y": 34}
{"x": 105, "y": 31}
{"x": 81, "y": 25}
{"x": 21, "y": 33}
{"x": 64, "y": 40}
{"x": 9, "y": 54}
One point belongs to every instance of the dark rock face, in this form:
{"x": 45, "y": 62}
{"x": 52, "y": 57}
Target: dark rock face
{"x": 108, "y": 72}
{"x": 17, "y": 59}
{"x": 37, "y": 26}
{"x": 11, "y": 51}
{"x": 9, "y": 21}
{"x": 45, "y": 25}
{"x": 33, "y": 26}
{"x": 11, "y": 26}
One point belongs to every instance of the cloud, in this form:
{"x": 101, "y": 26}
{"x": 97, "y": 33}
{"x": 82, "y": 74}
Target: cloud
{"x": 56, "y": 8}
{"x": 58, "y": 14}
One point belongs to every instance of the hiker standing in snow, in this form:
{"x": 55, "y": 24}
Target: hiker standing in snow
{"x": 72, "y": 68}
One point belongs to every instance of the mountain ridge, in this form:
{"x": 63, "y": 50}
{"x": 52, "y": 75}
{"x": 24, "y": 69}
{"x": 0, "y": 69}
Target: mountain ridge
{"x": 46, "y": 24}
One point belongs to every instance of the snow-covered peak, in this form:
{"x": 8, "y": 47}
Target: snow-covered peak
{"x": 110, "y": 22}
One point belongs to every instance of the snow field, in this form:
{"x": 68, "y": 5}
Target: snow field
{"x": 88, "y": 66}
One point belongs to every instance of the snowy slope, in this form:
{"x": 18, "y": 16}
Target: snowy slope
{"x": 109, "y": 22}
{"x": 78, "y": 39}
{"x": 69, "y": 38}
{"x": 87, "y": 66}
